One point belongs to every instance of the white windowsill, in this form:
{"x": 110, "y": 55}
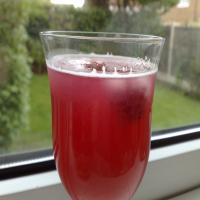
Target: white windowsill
{"x": 191, "y": 195}
{"x": 171, "y": 171}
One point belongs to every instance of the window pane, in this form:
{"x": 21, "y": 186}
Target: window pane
{"x": 25, "y": 108}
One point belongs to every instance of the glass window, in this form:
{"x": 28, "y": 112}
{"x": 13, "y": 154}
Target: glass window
{"x": 25, "y": 108}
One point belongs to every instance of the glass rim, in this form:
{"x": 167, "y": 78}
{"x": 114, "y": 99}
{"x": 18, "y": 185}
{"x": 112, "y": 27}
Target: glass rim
{"x": 104, "y": 36}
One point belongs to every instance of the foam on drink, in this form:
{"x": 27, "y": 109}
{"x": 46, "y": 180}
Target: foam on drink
{"x": 101, "y": 65}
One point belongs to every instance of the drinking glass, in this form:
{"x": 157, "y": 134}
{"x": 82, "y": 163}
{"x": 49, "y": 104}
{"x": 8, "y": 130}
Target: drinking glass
{"x": 102, "y": 87}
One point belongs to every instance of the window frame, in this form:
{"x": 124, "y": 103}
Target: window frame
{"x": 18, "y": 165}
{"x": 172, "y": 170}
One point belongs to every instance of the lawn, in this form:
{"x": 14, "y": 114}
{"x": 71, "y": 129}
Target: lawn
{"x": 38, "y": 135}
{"x": 171, "y": 108}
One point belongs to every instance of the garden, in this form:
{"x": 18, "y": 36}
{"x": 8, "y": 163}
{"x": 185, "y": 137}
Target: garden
{"x": 25, "y": 110}
{"x": 171, "y": 108}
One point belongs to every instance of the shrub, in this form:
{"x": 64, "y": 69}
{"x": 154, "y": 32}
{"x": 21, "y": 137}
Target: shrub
{"x": 190, "y": 72}
{"x": 145, "y": 21}
{"x": 38, "y": 21}
{"x": 57, "y": 17}
{"x": 14, "y": 65}
{"x": 91, "y": 19}
{"x": 85, "y": 19}
{"x": 61, "y": 17}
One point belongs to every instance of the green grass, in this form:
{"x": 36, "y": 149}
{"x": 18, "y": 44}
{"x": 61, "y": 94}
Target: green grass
{"x": 38, "y": 135}
{"x": 40, "y": 113}
{"x": 171, "y": 108}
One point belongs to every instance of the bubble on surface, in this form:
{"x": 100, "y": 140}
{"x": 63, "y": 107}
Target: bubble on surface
{"x": 101, "y": 65}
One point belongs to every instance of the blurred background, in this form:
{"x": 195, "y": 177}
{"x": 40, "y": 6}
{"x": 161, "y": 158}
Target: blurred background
{"x": 25, "y": 112}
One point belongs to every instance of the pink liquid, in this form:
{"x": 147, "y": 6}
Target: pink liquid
{"x": 101, "y": 131}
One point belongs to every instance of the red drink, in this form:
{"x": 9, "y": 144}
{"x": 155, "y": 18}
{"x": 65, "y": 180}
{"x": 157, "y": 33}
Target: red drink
{"x": 101, "y": 123}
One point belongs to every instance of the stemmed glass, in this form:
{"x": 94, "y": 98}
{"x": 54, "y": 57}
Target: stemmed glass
{"x": 102, "y": 87}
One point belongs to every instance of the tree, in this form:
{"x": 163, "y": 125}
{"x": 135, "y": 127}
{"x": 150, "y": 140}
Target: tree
{"x": 97, "y": 3}
{"x": 135, "y": 16}
{"x": 14, "y": 65}
{"x": 146, "y": 21}
{"x": 38, "y": 21}
{"x": 164, "y": 4}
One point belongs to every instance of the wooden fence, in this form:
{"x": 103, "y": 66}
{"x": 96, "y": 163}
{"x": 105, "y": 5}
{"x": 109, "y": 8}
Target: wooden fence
{"x": 181, "y": 49}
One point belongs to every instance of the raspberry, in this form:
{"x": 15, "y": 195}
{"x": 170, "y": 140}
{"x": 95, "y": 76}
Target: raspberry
{"x": 94, "y": 65}
{"x": 131, "y": 103}
{"x": 88, "y": 67}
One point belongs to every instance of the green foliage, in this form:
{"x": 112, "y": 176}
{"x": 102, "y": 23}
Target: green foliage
{"x": 97, "y": 3}
{"x": 95, "y": 16}
{"x": 14, "y": 63}
{"x": 38, "y": 21}
{"x": 163, "y": 3}
{"x": 91, "y": 19}
{"x": 58, "y": 17}
{"x": 62, "y": 17}
{"x": 146, "y": 21}
{"x": 190, "y": 72}
{"x": 37, "y": 57}
{"x": 85, "y": 19}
